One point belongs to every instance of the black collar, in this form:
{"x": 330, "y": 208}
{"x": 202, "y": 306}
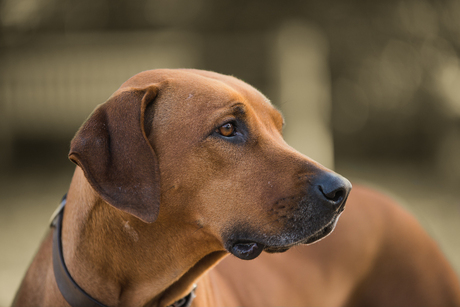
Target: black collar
{"x": 73, "y": 294}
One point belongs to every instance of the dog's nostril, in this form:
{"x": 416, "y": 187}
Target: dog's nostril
{"x": 335, "y": 195}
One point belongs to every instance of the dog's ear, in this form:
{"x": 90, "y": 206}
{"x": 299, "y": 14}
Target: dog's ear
{"x": 118, "y": 160}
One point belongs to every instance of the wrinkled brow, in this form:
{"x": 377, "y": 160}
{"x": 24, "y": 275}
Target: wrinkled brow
{"x": 238, "y": 109}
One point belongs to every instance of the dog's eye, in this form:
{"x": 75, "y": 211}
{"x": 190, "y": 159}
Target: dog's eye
{"x": 233, "y": 131}
{"x": 226, "y": 130}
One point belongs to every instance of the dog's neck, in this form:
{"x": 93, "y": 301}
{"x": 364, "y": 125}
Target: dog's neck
{"x": 120, "y": 260}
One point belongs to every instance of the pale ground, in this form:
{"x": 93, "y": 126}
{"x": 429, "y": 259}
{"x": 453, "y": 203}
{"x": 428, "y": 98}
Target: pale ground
{"x": 27, "y": 200}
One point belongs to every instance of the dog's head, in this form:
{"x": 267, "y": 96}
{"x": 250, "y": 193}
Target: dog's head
{"x": 206, "y": 149}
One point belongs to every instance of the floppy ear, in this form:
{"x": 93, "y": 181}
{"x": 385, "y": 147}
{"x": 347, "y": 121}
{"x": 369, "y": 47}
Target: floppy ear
{"x": 118, "y": 161}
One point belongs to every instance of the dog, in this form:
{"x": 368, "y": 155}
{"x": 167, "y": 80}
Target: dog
{"x": 181, "y": 168}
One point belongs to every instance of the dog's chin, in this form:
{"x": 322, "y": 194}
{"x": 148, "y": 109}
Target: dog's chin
{"x": 317, "y": 236}
{"x": 248, "y": 250}
{"x": 323, "y": 233}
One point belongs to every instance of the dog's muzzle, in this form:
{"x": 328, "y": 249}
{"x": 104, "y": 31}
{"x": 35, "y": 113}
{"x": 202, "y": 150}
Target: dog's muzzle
{"x": 315, "y": 215}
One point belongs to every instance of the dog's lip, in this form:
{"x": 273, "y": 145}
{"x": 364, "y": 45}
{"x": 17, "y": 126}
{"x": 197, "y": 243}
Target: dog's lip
{"x": 247, "y": 250}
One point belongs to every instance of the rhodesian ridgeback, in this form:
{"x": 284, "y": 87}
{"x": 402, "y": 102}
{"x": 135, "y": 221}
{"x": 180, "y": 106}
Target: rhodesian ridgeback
{"x": 180, "y": 168}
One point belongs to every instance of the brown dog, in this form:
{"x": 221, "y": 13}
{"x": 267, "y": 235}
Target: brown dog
{"x": 179, "y": 168}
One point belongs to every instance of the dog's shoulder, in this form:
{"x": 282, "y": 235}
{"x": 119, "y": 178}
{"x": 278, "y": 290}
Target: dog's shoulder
{"x": 402, "y": 250}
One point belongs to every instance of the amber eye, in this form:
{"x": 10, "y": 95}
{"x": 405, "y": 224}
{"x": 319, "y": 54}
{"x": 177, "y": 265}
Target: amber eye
{"x": 227, "y": 130}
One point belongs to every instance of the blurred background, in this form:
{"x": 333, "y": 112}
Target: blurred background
{"x": 369, "y": 88}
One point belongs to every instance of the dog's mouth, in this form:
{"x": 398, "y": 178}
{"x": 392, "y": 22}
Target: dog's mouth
{"x": 248, "y": 250}
{"x": 321, "y": 234}
{"x": 317, "y": 236}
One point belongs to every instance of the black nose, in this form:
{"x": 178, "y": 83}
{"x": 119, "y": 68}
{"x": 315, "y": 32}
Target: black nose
{"x": 334, "y": 189}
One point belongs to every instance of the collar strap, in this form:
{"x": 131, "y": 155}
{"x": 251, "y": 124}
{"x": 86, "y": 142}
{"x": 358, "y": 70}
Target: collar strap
{"x": 70, "y": 290}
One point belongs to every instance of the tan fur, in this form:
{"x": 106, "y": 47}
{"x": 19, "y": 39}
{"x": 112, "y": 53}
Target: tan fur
{"x": 156, "y": 196}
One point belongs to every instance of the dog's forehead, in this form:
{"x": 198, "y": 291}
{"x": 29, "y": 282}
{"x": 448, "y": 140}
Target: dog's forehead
{"x": 216, "y": 87}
